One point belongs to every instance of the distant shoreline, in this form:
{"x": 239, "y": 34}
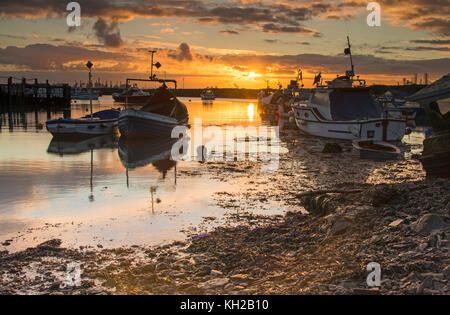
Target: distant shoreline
{"x": 253, "y": 93}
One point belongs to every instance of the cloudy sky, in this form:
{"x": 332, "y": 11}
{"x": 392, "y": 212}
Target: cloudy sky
{"x": 233, "y": 43}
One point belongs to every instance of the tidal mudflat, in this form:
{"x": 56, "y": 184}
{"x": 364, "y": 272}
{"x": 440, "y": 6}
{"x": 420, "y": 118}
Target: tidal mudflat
{"x": 341, "y": 213}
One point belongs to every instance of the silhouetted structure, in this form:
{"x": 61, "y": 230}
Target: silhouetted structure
{"x": 35, "y": 95}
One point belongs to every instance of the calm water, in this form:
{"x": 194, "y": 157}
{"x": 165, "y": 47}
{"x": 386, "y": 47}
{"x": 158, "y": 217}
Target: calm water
{"x": 98, "y": 191}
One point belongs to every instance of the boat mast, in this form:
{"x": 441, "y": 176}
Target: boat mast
{"x": 348, "y": 51}
{"x": 151, "y": 63}
{"x": 89, "y": 65}
{"x": 157, "y": 65}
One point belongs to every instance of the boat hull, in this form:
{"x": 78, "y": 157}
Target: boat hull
{"x": 138, "y": 124}
{"x": 380, "y": 129}
{"x": 82, "y": 127}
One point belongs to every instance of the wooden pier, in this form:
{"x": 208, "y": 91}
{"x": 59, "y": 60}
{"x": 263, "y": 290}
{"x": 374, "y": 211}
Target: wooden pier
{"x": 33, "y": 95}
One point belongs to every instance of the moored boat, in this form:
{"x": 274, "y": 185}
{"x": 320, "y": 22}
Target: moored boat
{"x": 133, "y": 95}
{"x": 84, "y": 94}
{"x": 99, "y": 123}
{"x": 157, "y": 118}
{"x": 338, "y": 110}
{"x": 376, "y": 150}
{"x": 207, "y": 95}
{"x": 345, "y": 113}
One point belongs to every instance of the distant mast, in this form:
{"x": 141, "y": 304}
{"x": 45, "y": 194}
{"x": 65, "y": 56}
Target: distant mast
{"x": 348, "y": 51}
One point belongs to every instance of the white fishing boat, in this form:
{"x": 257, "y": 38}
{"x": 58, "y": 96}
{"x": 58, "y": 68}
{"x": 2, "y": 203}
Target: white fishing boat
{"x": 338, "y": 110}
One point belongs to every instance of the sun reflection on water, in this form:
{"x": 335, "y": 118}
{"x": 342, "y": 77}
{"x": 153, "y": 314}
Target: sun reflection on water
{"x": 250, "y": 110}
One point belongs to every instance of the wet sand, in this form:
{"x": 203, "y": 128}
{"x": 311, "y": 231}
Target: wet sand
{"x": 360, "y": 211}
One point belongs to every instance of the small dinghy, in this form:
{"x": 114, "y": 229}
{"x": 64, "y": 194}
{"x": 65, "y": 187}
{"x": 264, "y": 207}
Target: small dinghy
{"x": 376, "y": 150}
{"x": 157, "y": 118}
{"x": 100, "y": 123}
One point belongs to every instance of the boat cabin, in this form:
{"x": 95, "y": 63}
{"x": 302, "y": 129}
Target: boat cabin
{"x": 342, "y": 104}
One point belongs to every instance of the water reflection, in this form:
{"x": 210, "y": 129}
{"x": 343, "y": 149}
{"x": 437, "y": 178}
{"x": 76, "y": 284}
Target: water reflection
{"x": 138, "y": 153}
{"x": 250, "y": 109}
{"x": 45, "y": 180}
{"x": 142, "y": 152}
{"x": 64, "y": 146}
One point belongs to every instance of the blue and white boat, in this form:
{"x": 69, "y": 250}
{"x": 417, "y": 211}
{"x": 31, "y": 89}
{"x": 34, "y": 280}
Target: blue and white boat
{"x": 100, "y": 123}
{"x": 95, "y": 124}
{"x": 157, "y": 118}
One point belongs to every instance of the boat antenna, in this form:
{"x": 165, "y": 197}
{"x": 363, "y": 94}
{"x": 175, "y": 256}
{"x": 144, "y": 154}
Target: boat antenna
{"x": 89, "y": 65}
{"x": 300, "y": 76}
{"x": 348, "y": 51}
{"x": 157, "y": 65}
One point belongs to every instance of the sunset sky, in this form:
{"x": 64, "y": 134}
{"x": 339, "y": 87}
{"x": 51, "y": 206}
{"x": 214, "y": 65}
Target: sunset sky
{"x": 234, "y": 43}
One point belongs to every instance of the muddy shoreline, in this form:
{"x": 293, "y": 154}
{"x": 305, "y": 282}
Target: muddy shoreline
{"x": 359, "y": 212}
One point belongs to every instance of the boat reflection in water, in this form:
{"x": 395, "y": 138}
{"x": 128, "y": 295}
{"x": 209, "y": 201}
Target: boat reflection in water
{"x": 66, "y": 146}
{"x": 136, "y": 153}
{"x": 69, "y": 146}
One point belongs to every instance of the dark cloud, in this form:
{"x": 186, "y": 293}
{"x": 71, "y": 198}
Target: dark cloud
{"x": 276, "y": 28}
{"x": 426, "y": 48}
{"x": 389, "y": 49}
{"x": 108, "y": 33}
{"x": 230, "y": 32}
{"x": 282, "y": 17}
{"x": 431, "y": 41}
{"x": 50, "y": 57}
{"x": 437, "y": 25}
{"x": 182, "y": 53}
{"x": 428, "y": 15}
{"x": 240, "y": 68}
{"x": 13, "y": 36}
